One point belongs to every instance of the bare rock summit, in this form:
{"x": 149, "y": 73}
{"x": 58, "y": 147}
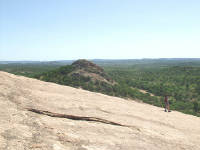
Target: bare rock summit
{"x": 37, "y": 115}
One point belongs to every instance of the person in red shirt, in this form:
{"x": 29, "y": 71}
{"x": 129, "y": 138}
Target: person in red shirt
{"x": 167, "y": 104}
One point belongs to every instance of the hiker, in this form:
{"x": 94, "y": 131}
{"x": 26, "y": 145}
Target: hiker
{"x": 167, "y": 104}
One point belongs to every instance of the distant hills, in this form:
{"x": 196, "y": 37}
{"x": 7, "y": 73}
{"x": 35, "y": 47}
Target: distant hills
{"x": 109, "y": 61}
{"x": 37, "y": 62}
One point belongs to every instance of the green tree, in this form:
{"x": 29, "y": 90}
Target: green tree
{"x": 196, "y": 106}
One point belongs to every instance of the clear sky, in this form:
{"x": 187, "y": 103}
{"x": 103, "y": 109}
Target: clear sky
{"x": 104, "y": 29}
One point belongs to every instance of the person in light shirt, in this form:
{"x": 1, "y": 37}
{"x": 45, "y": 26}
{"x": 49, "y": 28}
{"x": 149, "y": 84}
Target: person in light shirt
{"x": 166, "y": 100}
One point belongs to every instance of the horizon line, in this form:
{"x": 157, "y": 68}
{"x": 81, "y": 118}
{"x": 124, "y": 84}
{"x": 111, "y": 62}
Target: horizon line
{"x": 95, "y": 59}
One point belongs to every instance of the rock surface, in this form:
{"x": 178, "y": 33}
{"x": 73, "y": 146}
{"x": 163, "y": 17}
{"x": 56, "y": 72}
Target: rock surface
{"x": 145, "y": 126}
{"x": 88, "y": 69}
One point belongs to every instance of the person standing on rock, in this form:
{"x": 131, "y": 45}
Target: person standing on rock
{"x": 167, "y": 104}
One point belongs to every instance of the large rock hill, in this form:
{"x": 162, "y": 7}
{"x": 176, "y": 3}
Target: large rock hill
{"x": 85, "y": 64}
{"x": 37, "y": 115}
{"x": 81, "y": 73}
{"x": 86, "y": 68}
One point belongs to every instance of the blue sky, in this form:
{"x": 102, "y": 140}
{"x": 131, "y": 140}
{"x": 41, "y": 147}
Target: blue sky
{"x": 104, "y": 29}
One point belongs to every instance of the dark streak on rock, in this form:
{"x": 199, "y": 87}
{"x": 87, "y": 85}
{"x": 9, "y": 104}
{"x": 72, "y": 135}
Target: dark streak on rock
{"x": 82, "y": 118}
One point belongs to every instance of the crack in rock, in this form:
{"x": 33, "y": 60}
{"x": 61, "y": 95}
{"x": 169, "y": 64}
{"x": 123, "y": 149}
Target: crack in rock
{"x": 82, "y": 118}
